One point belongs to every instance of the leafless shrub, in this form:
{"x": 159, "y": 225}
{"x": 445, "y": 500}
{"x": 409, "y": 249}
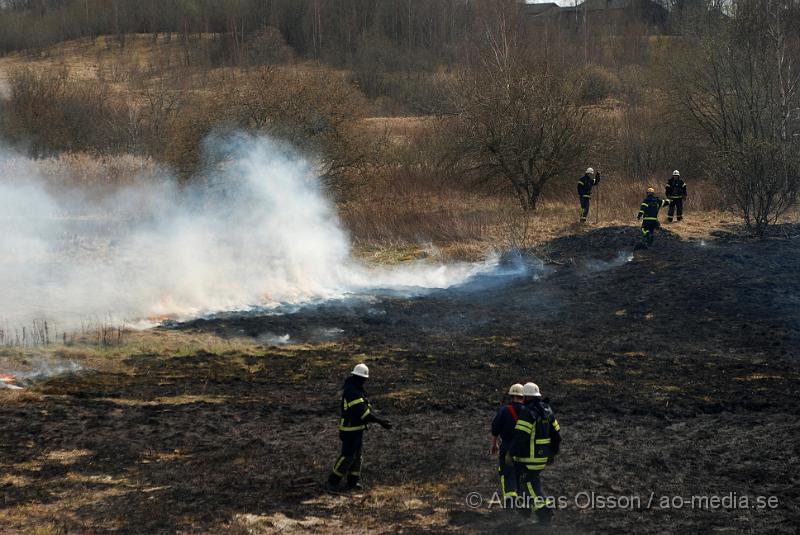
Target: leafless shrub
{"x": 102, "y": 332}
{"x": 49, "y": 111}
{"x": 763, "y": 180}
{"x": 315, "y": 111}
{"x": 740, "y": 88}
{"x": 519, "y": 124}
{"x": 37, "y": 333}
{"x": 597, "y": 83}
{"x": 266, "y": 47}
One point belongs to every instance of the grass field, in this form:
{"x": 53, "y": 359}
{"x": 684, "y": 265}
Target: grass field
{"x": 673, "y": 370}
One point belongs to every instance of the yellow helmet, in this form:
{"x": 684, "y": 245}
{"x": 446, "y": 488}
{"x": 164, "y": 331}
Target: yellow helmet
{"x": 650, "y": 190}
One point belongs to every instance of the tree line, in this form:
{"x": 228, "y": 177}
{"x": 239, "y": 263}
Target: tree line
{"x": 333, "y": 30}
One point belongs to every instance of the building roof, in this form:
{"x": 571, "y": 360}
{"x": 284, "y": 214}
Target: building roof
{"x": 537, "y": 9}
{"x": 551, "y": 8}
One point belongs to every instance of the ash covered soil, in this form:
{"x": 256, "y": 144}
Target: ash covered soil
{"x": 673, "y": 374}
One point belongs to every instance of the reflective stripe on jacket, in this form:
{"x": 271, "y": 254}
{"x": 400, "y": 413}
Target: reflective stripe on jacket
{"x": 648, "y": 211}
{"x": 355, "y": 408}
{"x": 537, "y": 436}
{"x": 676, "y": 188}
{"x": 585, "y": 184}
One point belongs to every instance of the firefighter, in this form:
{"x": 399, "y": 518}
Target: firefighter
{"x": 356, "y": 413}
{"x": 648, "y": 213}
{"x": 503, "y": 430}
{"x": 585, "y": 184}
{"x": 676, "y": 193}
{"x": 536, "y": 442}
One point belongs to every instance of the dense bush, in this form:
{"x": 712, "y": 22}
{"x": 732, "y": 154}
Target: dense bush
{"x": 597, "y": 84}
{"x": 48, "y": 111}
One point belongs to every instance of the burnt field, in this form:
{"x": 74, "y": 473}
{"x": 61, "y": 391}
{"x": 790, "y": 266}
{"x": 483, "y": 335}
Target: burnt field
{"x": 674, "y": 373}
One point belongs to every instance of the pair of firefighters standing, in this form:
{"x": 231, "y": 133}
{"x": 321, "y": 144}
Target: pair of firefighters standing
{"x": 675, "y": 195}
{"x": 529, "y": 439}
{"x": 526, "y": 429}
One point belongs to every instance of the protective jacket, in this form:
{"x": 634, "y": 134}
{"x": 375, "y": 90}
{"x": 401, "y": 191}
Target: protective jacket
{"x": 648, "y": 211}
{"x": 537, "y": 437}
{"x": 586, "y": 183}
{"x": 355, "y": 409}
{"x": 676, "y": 188}
{"x": 505, "y": 421}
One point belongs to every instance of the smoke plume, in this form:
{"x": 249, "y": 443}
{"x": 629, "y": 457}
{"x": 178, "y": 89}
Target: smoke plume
{"x": 258, "y": 232}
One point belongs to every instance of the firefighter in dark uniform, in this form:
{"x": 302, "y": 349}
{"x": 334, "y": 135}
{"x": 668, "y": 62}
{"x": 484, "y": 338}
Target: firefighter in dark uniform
{"x": 648, "y": 213}
{"x": 585, "y": 184}
{"x": 356, "y": 413}
{"x": 676, "y": 193}
{"x": 536, "y": 442}
{"x": 503, "y": 429}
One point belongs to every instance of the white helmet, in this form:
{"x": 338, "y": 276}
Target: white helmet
{"x": 676, "y": 173}
{"x": 589, "y": 171}
{"x": 531, "y": 390}
{"x": 361, "y": 370}
{"x": 516, "y": 390}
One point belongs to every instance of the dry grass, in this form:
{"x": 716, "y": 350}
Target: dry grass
{"x": 408, "y": 212}
{"x": 407, "y": 208}
{"x": 96, "y": 175}
{"x": 413, "y": 214}
{"x": 398, "y": 129}
{"x": 144, "y": 58}
{"x": 88, "y": 354}
{"x": 89, "y": 58}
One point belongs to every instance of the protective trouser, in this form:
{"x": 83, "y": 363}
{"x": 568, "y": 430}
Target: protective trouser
{"x": 529, "y": 483}
{"x": 507, "y": 473}
{"x": 349, "y": 462}
{"x": 675, "y": 203}
{"x": 649, "y": 227}
{"x": 585, "y": 201}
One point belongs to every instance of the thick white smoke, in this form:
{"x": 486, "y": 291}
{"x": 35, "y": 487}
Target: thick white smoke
{"x": 258, "y": 233}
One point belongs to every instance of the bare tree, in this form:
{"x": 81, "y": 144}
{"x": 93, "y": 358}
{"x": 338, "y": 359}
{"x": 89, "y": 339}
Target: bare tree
{"x": 763, "y": 180}
{"x": 517, "y": 121}
{"x": 315, "y": 112}
{"x": 741, "y": 89}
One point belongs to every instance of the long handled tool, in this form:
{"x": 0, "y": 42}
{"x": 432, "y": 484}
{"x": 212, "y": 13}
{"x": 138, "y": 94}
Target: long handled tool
{"x": 597, "y": 203}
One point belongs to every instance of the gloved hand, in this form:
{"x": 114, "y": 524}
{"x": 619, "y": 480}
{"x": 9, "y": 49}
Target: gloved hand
{"x": 638, "y": 217}
{"x": 495, "y": 449}
{"x": 551, "y": 460}
{"x": 386, "y": 424}
{"x": 508, "y": 459}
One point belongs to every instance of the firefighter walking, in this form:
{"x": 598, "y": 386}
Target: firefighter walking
{"x": 648, "y": 213}
{"x": 536, "y": 442}
{"x": 356, "y": 413}
{"x": 585, "y": 185}
{"x": 676, "y": 194}
{"x": 503, "y": 426}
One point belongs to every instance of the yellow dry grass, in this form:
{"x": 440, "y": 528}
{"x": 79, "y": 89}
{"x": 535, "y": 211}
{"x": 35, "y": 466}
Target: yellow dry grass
{"x": 405, "y": 210}
{"x": 88, "y": 58}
